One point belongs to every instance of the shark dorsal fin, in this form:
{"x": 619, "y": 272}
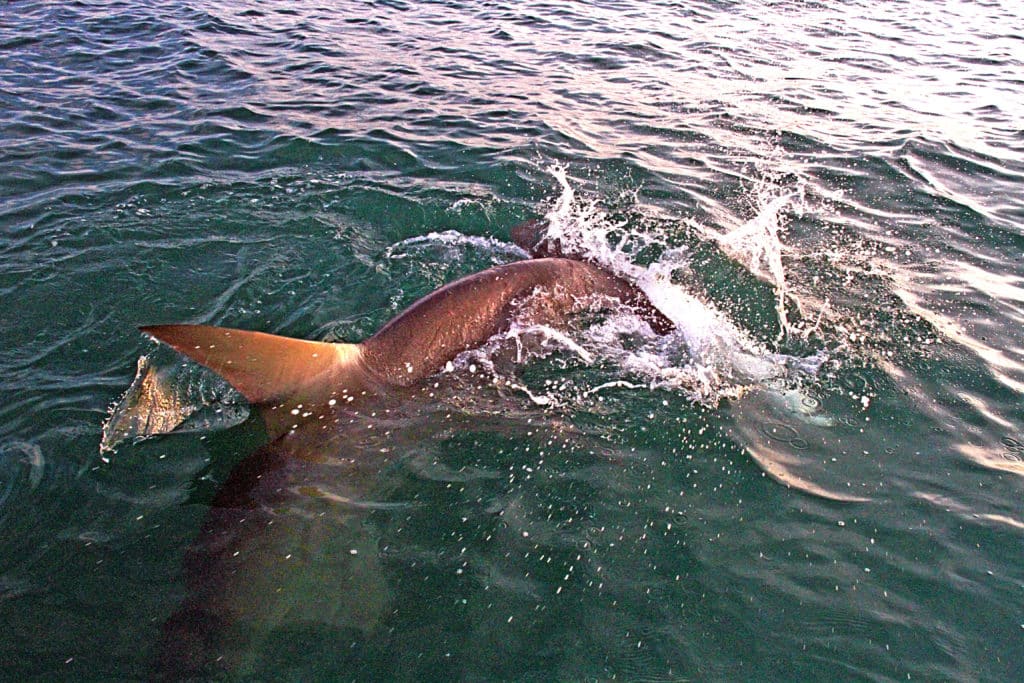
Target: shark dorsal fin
{"x": 266, "y": 368}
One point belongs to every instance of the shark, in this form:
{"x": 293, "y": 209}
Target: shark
{"x": 289, "y": 541}
{"x": 289, "y": 545}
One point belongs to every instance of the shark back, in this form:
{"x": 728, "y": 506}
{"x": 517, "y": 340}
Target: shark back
{"x": 466, "y": 313}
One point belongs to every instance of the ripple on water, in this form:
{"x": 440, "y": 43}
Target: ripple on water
{"x": 253, "y": 165}
{"x": 24, "y": 468}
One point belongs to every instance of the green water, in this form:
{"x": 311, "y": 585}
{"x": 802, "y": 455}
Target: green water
{"x": 621, "y": 507}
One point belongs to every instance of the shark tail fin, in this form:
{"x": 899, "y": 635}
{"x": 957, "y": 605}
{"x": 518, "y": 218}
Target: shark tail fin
{"x": 265, "y": 368}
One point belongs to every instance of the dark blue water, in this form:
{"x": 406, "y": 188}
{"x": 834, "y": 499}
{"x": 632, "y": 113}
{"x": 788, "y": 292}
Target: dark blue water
{"x": 819, "y": 476}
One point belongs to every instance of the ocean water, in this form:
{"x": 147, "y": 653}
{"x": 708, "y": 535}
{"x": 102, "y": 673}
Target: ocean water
{"x": 818, "y": 476}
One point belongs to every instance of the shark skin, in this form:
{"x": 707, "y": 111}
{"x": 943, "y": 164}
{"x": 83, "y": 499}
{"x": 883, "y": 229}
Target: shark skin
{"x": 532, "y": 237}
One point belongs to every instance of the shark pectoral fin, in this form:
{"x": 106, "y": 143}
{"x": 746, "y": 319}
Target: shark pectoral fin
{"x": 790, "y": 447}
{"x": 266, "y": 368}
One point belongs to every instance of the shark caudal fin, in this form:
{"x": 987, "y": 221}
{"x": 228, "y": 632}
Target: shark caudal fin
{"x": 266, "y": 368}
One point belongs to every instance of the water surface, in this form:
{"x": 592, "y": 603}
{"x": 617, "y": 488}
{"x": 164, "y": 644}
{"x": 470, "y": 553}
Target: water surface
{"x": 829, "y": 198}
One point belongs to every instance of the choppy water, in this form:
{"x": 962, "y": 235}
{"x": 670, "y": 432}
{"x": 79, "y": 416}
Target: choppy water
{"x": 828, "y": 198}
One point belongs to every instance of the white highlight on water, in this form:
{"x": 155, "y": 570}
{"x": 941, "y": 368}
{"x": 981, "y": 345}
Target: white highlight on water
{"x": 456, "y": 241}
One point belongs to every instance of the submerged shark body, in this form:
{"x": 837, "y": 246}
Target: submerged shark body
{"x": 288, "y": 542}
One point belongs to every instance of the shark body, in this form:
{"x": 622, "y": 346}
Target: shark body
{"x": 289, "y": 541}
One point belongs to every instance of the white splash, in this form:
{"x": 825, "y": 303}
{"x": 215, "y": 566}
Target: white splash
{"x": 707, "y": 356}
{"x": 502, "y": 353}
{"x": 756, "y": 244}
